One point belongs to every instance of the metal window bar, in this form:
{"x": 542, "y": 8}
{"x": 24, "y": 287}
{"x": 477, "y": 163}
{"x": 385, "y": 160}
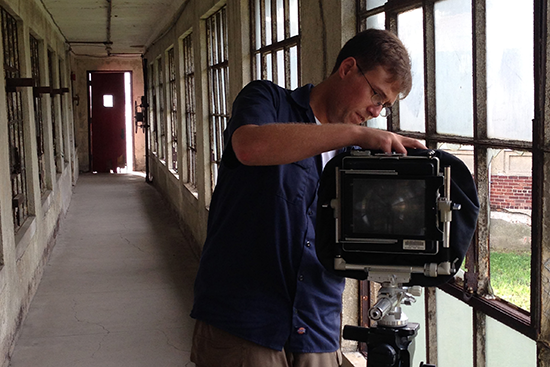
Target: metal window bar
{"x": 38, "y": 113}
{"x": 56, "y": 151}
{"x": 479, "y": 252}
{"x": 173, "y": 110}
{"x": 190, "y": 110}
{"x": 276, "y": 48}
{"x": 61, "y": 116}
{"x": 161, "y": 111}
{"x": 153, "y": 112}
{"x": 14, "y": 103}
{"x": 218, "y": 82}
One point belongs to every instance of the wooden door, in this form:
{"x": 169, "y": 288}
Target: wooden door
{"x": 107, "y": 121}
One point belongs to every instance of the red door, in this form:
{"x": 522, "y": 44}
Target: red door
{"x": 107, "y": 122}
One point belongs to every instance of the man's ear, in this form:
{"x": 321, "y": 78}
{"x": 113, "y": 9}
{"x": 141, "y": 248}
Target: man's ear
{"x": 346, "y": 66}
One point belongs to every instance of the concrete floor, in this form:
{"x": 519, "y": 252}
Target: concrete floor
{"x": 118, "y": 288}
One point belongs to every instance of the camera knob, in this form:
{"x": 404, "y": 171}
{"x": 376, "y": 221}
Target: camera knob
{"x": 415, "y": 290}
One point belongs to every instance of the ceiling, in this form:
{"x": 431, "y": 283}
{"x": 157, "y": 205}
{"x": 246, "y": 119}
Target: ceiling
{"x": 113, "y": 27}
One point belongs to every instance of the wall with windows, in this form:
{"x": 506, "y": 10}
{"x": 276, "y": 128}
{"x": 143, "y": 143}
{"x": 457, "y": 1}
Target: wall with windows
{"x": 223, "y": 59}
{"x": 216, "y": 49}
{"x": 38, "y": 157}
{"x": 475, "y": 94}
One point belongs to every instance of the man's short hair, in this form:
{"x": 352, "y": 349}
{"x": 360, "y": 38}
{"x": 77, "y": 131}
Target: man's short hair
{"x": 375, "y": 47}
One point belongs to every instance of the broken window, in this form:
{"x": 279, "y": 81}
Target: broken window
{"x": 473, "y": 96}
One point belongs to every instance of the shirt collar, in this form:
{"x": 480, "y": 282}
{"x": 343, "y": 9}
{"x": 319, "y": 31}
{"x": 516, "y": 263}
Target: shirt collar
{"x": 301, "y": 97}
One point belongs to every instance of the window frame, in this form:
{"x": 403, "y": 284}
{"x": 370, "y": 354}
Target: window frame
{"x": 274, "y": 46}
{"x": 188, "y": 86}
{"x": 35, "y": 48}
{"x": 161, "y": 109}
{"x": 14, "y": 102}
{"x": 217, "y": 44}
{"x": 475, "y": 288}
{"x": 173, "y": 100}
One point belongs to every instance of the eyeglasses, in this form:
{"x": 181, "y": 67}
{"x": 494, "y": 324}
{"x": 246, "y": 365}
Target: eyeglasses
{"x": 377, "y": 98}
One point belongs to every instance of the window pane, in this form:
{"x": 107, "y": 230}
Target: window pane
{"x": 510, "y": 84}
{"x": 280, "y": 21}
{"x": 371, "y": 4}
{"x": 378, "y": 123}
{"x": 417, "y": 313}
{"x": 258, "y": 25}
{"x": 377, "y": 21}
{"x": 107, "y": 100}
{"x": 268, "y": 22}
{"x": 258, "y": 66}
{"x": 510, "y": 229}
{"x": 453, "y": 67}
{"x": 498, "y": 351}
{"x": 454, "y": 322}
{"x": 463, "y": 152}
{"x": 269, "y": 67}
{"x": 410, "y": 30}
{"x": 281, "y": 67}
{"x": 294, "y": 22}
{"x": 294, "y": 67}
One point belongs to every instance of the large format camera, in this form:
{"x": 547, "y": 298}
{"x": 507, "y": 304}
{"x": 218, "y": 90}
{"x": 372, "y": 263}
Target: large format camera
{"x": 401, "y": 221}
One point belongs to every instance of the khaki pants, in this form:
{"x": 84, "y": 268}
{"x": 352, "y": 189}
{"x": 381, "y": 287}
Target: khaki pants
{"x": 213, "y": 347}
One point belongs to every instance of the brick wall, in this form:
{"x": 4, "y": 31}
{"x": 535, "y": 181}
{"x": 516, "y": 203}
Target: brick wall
{"x": 510, "y": 192}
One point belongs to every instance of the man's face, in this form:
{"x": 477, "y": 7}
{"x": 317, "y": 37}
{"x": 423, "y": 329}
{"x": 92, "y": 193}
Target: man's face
{"x": 363, "y": 94}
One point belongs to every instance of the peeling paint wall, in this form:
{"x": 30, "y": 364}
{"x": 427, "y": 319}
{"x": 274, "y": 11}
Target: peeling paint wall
{"x": 24, "y": 253}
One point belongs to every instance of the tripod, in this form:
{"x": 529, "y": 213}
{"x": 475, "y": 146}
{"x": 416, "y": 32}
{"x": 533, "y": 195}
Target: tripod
{"x": 388, "y": 343}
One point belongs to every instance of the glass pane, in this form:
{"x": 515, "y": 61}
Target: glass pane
{"x": 258, "y": 24}
{"x": 510, "y": 229}
{"x": 454, "y": 323}
{"x": 498, "y": 352}
{"x": 269, "y": 67}
{"x": 463, "y": 152}
{"x": 417, "y": 313}
{"x": 410, "y": 30}
{"x": 107, "y": 100}
{"x": 281, "y": 68}
{"x": 280, "y": 21}
{"x": 294, "y": 21}
{"x": 510, "y": 79}
{"x": 377, "y": 21}
{"x": 378, "y": 123}
{"x": 293, "y": 67}
{"x": 371, "y": 4}
{"x": 258, "y": 66}
{"x": 453, "y": 67}
{"x": 268, "y": 25}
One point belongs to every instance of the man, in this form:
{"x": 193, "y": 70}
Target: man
{"x": 262, "y": 298}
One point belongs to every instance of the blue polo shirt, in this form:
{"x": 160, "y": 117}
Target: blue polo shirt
{"x": 259, "y": 276}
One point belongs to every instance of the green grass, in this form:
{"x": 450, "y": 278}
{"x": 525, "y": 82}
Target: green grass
{"x": 511, "y": 277}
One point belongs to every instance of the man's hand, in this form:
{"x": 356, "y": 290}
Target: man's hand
{"x": 386, "y": 141}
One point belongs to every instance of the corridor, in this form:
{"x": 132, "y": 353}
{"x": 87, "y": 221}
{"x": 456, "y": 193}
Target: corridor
{"x": 117, "y": 290}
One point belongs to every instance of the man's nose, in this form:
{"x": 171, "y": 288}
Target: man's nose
{"x": 374, "y": 110}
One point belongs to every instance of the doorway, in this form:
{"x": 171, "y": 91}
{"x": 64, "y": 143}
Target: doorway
{"x": 110, "y": 121}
